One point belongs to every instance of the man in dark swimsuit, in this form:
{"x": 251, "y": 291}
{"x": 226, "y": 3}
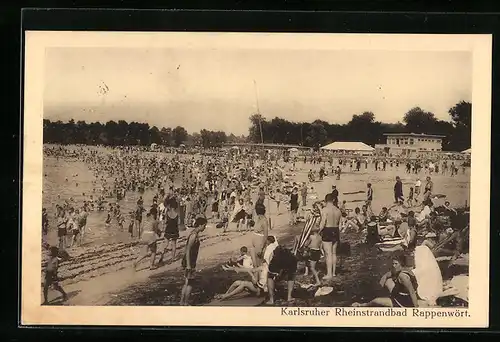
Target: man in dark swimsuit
{"x": 330, "y": 234}
{"x": 190, "y": 258}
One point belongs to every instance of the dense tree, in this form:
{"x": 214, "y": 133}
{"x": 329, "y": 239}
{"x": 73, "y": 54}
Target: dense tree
{"x": 362, "y": 127}
{"x": 461, "y": 114}
{"x": 419, "y": 121}
{"x": 179, "y": 135}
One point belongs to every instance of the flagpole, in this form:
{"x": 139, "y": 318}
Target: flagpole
{"x": 258, "y": 112}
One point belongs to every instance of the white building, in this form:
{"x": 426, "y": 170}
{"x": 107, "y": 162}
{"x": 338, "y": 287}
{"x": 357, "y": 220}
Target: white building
{"x": 410, "y": 144}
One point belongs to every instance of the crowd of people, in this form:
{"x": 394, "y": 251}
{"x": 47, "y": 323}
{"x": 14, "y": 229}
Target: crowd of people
{"x": 235, "y": 190}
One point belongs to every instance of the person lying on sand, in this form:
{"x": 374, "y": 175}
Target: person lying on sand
{"x": 401, "y": 284}
{"x": 254, "y": 286}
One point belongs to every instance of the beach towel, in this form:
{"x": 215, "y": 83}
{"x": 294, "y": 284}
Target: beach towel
{"x": 390, "y": 245}
{"x": 428, "y": 275}
{"x": 311, "y": 221}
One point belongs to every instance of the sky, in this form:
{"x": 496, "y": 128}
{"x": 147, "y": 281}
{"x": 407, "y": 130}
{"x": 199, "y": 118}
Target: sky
{"x": 218, "y": 89}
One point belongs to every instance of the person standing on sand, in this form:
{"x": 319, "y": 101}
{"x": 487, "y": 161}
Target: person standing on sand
{"x": 428, "y": 189}
{"x": 369, "y": 196}
{"x": 330, "y": 234}
{"x": 294, "y": 206}
{"x": 51, "y": 276}
{"x": 190, "y": 258}
{"x": 260, "y": 233}
{"x": 418, "y": 184}
{"x": 171, "y": 229}
{"x": 398, "y": 190}
{"x": 138, "y": 219}
{"x": 150, "y": 238}
{"x": 335, "y": 193}
{"x": 303, "y": 194}
{"x": 283, "y": 264}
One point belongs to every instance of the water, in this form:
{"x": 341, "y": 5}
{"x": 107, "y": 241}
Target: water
{"x": 65, "y": 179}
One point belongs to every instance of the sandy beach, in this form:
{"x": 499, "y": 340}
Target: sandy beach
{"x": 100, "y": 272}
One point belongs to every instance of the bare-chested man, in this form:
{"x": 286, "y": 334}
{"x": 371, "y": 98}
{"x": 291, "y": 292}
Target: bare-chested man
{"x": 330, "y": 234}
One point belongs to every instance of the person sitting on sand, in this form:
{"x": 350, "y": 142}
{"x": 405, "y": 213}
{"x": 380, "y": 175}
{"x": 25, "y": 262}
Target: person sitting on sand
{"x": 410, "y": 237}
{"x": 348, "y": 222}
{"x": 423, "y": 217}
{"x": 397, "y": 211}
{"x": 344, "y": 223}
{"x": 359, "y": 219}
{"x": 255, "y": 286}
{"x": 384, "y": 215}
{"x": 242, "y": 261}
{"x": 401, "y": 284}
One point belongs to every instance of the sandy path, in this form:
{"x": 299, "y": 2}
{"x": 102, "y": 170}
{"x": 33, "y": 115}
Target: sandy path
{"x": 95, "y": 287}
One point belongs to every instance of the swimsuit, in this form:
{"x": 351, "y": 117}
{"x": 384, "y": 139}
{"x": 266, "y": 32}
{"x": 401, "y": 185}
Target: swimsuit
{"x": 314, "y": 254}
{"x": 171, "y": 228}
{"x": 330, "y": 234}
{"x": 193, "y": 256}
{"x": 400, "y": 297}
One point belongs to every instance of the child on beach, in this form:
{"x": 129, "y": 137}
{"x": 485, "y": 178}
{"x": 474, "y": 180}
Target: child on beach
{"x": 51, "y": 276}
{"x": 410, "y": 197}
{"x": 225, "y": 219}
{"x": 244, "y": 260}
{"x": 343, "y": 208}
{"x": 314, "y": 246}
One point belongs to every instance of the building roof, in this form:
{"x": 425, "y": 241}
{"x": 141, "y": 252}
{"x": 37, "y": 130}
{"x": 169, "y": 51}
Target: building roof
{"x": 266, "y": 145}
{"x": 348, "y": 146}
{"x": 421, "y": 135}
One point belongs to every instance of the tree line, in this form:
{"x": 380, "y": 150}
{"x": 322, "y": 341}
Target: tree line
{"x": 134, "y": 133}
{"x": 365, "y": 128}
{"x": 362, "y": 127}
